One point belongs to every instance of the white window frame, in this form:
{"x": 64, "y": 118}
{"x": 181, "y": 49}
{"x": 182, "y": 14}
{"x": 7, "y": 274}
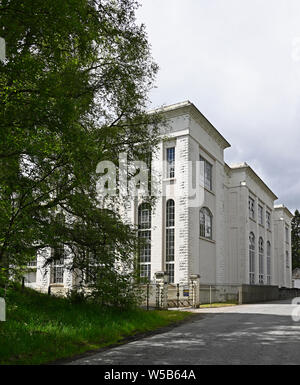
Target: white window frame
{"x": 252, "y": 259}
{"x": 269, "y": 263}
{"x": 208, "y": 173}
{"x": 170, "y": 239}
{"x": 251, "y": 205}
{"x": 261, "y": 254}
{"x": 144, "y": 232}
{"x": 58, "y": 266}
{"x": 170, "y": 162}
{"x": 268, "y": 220}
{"x": 260, "y": 215}
{"x": 206, "y": 223}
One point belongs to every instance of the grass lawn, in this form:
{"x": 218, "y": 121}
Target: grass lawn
{"x": 41, "y": 328}
{"x": 217, "y": 304}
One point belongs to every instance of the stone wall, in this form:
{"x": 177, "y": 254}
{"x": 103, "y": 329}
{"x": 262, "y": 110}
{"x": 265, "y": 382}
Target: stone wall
{"x": 259, "y": 293}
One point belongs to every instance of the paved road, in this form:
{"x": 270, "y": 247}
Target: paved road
{"x": 246, "y": 334}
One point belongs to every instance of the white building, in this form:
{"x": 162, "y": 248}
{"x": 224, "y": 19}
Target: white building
{"x": 231, "y": 233}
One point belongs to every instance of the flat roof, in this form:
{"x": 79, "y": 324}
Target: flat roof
{"x": 284, "y": 208}
{"x": 189, "y": 105}
{"x": 246, "y": 166}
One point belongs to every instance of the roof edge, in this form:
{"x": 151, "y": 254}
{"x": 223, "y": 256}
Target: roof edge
{"x": 191, "y": 108}
{"x": 284, "y": 208}
{"x": 250, "y": 170}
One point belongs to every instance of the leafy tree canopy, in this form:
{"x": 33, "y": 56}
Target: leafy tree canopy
{"x": 73, "y": 91}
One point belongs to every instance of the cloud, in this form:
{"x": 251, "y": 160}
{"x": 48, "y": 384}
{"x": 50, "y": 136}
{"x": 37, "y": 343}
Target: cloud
{"x": 239, "y": 63}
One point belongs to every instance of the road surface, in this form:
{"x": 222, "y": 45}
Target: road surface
{"x": 245, "y": 334}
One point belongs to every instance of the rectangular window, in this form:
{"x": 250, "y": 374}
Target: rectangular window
{"x": 145, "y": 271}
{"x": 145, "y": 248}
{"x": 170, "y": 271}
{"x": 260, "y": 215}
{"x": 171, "y": 162}
{"x": 287, "y": 260}
{"x": 170, "y": 242}
{"x": 207, "y": 173}
{"x": 268, "y": 220}
{"x": 58, "y": 265}
{"x": 251, "y": 208}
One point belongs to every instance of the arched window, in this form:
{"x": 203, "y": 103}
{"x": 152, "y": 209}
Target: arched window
{"x": 268, "y": 263}
{"x": 205, "y": 223}
{"x": 144, "y": 233}
{"x": 252, "y": 259}
{"x": 170, "y": 239}
{"x": 261, "y": 261}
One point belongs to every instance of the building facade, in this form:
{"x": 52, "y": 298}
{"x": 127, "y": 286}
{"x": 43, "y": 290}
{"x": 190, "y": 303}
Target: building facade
{"x": 209, "y": 219}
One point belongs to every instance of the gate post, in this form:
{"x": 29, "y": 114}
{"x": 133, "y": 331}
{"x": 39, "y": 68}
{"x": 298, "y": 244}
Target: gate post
{"x": 195, "y": 289}
{"x": 161, "y": 279}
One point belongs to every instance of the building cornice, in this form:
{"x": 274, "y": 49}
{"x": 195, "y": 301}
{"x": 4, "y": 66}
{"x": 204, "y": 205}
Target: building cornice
{"x": 188, "y": 108}
{"x": 252, "y": 174}
{"x": 285, "y": 209}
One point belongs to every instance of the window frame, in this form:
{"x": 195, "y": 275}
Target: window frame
{"x": 58, "y": 265}
{"x": 170, "y": 239}
{"x": 268, "y": 220}
{"x": 205, "y": 223}
{"x": 252, "y": 258}
{"x": 260, "y": 215}
{"x": 170, "y": 171}
{"x": 269, "y": 263}
{"x": 208, "y": 173}
{"x": 145, "y": 234}
{"x": 261, "y": 254}
{"x": 251, "y": 207}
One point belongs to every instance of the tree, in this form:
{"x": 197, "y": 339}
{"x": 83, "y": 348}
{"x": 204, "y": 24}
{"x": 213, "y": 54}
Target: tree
{"x": 73, "y": 91}
{"x": 296, "y": 240}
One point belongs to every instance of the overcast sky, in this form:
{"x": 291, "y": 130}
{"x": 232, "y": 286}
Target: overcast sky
{"x": 238, "y": 61}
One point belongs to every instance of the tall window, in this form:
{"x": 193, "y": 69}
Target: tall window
{"x": 260, "y": 215}
{"x": 170, "y": 239}
{"x": 205, "y": 223}
{"x": 268, "y": 263}
{"x": 30, "y": 275}
{"x": 287, "y": 260}
{"x": 251, "y": 208}
{"x": 144, "y": 233}
{"x": 58, "y": 265}
{"x": 207, "y": 173}
{"x": 268, "y": 220}
{"x": 171, "y": 162}
{"x": 252, "y": 259}
{"x": 261, "y": 261}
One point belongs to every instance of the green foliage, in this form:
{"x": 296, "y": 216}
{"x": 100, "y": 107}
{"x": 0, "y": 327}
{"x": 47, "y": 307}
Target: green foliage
{"x": 296, "y": 240}
{"x": 73, "y": 92}
{"x": 42, "y": 328}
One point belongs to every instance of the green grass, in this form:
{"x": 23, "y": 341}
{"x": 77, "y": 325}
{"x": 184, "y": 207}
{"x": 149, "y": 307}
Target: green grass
{"x": 41, "y": 329}
{"x": 217, "y": 304}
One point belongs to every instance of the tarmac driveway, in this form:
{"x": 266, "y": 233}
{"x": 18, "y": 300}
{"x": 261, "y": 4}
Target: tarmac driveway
{"x": 245, "y": 334}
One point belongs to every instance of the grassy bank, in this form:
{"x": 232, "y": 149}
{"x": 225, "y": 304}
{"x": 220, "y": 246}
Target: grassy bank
{"x": 40, "y": 328}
